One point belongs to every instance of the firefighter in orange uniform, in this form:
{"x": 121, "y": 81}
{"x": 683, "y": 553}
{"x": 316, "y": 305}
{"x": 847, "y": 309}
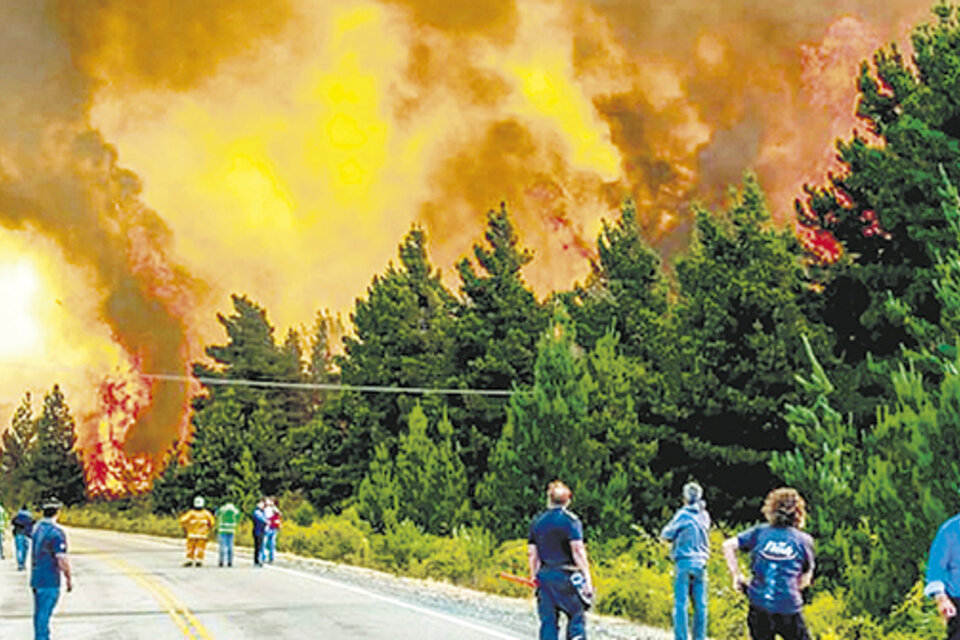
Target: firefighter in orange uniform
{"x": 197, "y": 523}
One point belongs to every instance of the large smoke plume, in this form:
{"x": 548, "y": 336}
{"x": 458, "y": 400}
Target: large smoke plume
{"x": 281, "y": 148}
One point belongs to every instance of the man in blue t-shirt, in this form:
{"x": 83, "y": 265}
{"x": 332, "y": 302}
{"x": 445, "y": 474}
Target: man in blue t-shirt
{"x": 49, "y": 562}
{"x": 781, "y": 561}
{"x": 689, "y": 533}
{"x": 558, "y": 561}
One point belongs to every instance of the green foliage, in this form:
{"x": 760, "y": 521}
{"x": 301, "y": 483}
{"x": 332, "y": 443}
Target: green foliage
{"x": 739, "y": 322}
{"x": 39, "y": 457}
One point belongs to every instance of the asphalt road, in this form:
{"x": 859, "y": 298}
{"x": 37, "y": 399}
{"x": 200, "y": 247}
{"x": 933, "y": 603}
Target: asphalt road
{"x": 131, "y": 587}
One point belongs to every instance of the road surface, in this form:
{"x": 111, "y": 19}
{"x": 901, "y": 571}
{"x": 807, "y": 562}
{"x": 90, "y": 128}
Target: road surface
{"x": 132, "y": 587}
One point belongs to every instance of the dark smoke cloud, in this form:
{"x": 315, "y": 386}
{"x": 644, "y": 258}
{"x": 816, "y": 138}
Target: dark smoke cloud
{"x": 59, "y": 177}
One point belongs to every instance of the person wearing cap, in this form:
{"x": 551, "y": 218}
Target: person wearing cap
{"x": 688, "y": 532}
{"x": 943, "y": 574}
{"x": 48, "y": 563}
{"x": 274, "y": 519}
{"x": 781, "y": 563}
{"x": 197, "y": 523}
{"x": 22, "y": 528}
{"x": 227, "y": 518}
{"x": 558, "y": 562}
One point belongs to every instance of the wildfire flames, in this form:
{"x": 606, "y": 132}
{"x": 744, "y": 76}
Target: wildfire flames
{"x": 156, "y": 156}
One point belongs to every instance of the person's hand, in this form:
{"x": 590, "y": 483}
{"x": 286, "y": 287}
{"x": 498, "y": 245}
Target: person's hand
{"x": 945, "y": 606}
{"x": 69, "y": 585}
{"x": 740, "y": 583}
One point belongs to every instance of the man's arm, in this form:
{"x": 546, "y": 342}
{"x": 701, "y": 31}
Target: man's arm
{"x": 579, "y": 552}
{"x": 937, "y": 564}
{"x": 730, "y": 547}
{"x": 533, "y": 560}
{"x": 64, "y": 563}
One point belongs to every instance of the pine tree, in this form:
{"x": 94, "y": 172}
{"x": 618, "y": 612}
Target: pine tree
{"x": 18, "y": 445}
{"x": 54, "y": 467}
{"x": 546, "y": 437}
{"x": 739, "y": 318}
{"x": 499, "y": 324}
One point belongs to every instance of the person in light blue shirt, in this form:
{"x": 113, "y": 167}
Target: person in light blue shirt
{"x": 688, "y": 531}
{"x": 943, "y": 574}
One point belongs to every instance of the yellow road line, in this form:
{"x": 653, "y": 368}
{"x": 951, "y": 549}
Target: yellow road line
{"x": 181, "y": 615}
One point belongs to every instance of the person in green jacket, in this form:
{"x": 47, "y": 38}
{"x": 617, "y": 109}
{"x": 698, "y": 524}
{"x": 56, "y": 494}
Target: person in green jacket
{"x": 228, "y": 516}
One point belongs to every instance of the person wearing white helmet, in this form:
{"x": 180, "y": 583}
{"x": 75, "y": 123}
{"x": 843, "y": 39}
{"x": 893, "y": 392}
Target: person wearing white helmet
{"x": 197, "y": 523}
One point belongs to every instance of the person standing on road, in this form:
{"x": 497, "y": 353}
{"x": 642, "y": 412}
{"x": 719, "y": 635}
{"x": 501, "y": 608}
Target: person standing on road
{"x": 272, "y": 512}
{"x": 22, "y": 528}
{"x": 782, "y": 563}
{"x": 227, "y": 518}
{"x": 259, "y": 528}
{"x": 688, "y": 531}
{"x": 558, "y": 562}
{"x": 197, "y": 523}
{"x": 48, "y": 563}
{"x": 3, "y": 525}
{"x": 943, "y": 574}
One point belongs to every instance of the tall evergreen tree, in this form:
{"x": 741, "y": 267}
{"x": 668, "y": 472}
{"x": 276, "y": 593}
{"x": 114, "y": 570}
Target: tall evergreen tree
{"x": 54, "y": 467}
{"x": 18, "y": 445}
{"x": 496, "y": 336}
{"x": 547, "y": 436}
{"x": 740, "y": 318}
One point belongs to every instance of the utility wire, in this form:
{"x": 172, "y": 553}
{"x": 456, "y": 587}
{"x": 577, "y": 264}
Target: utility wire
{"x": 277, "y": 384}
{"x": 323, "y": 386}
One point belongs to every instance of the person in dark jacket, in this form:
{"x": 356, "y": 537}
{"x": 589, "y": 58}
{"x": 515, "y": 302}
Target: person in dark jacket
{"x": 260, "y": 522}
{"x": 689, "y": 533}
{"x": 22, "y": 529}
{"x": 558, "y": 563}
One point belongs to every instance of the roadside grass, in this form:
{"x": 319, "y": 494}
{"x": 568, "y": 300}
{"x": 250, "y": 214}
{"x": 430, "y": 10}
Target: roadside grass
{"x": 633, "y": 576}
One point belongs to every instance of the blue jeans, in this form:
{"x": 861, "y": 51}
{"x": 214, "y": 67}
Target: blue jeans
{"x": 269, "y": 545}
{"x": 226, "y": 548}
{"x": 690, "y": 581}
{"x": 556, "y": 594}
{"x": 23, "y": 545}
{"x": 44, "y": 600}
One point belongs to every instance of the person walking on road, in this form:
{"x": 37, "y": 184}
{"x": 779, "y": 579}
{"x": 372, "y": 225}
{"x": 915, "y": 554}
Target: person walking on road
{"x": 272, "y": 512}
{"x": 228, "y": 516}
{"x": 943, "y": 574}
{"x": 197, "y": 523}
{"x": 558, "y": 563}
{"x": 781, "y": 561}
{"x": 259, "y": 529}
{"x": 22, "y": 528}
{"x": 688, "y": 531}
{"x": 3, "y": 525}
{"x": 48, "y": 563}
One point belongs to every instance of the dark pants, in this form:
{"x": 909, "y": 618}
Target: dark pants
{"x": 765, "y": 625}
{"x": 22, "y": 543}
{"x": 556, "y": 594}
{"x": 953, "y": 624}
{"x": 257, "y": 548}
{"x": 44, "y": 600}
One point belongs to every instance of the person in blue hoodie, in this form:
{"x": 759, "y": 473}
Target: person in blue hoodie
{"x": 688, "y": 533}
